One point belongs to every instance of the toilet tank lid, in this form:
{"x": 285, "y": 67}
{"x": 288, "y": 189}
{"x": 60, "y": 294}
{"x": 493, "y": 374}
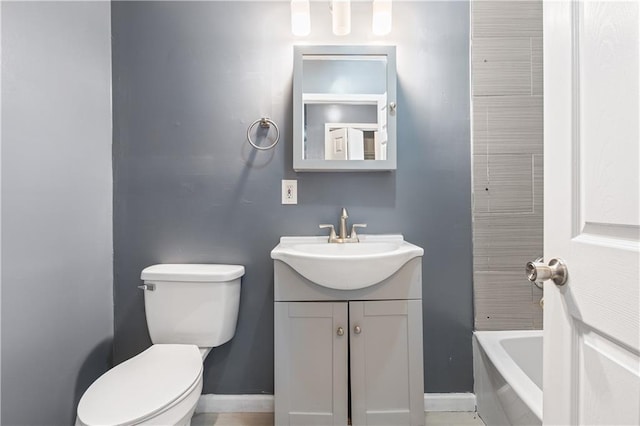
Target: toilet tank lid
{"x": 192, "y": 272}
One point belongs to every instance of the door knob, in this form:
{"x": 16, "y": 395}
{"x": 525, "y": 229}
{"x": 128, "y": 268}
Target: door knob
{"x": 340, "y": 331}
{"x": 357, "y": 329}
{"x": 556, "y": 271}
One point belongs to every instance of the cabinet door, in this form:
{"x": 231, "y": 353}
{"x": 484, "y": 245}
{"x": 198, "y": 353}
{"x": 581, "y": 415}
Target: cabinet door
{"x": 311, "y": 363}
{"x": 386, "y": 362}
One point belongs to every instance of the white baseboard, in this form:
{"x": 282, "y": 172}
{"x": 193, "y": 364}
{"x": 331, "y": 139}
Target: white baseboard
{"x": 212, "y": 403}
{"x": 449, "y": 402}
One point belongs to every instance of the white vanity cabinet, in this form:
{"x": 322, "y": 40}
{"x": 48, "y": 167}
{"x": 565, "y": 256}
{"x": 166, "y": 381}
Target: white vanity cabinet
{"x": 343, "y": 354}
{"x": 386, "y": 362}
{"x": 311, "y": 356}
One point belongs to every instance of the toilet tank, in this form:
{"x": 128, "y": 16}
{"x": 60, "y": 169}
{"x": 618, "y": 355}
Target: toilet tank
{"x": 193, "y": 304}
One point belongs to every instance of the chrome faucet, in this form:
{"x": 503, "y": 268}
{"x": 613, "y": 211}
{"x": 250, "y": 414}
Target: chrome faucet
{"x": 343, "y": 224}
{"x": 343, "y": 237}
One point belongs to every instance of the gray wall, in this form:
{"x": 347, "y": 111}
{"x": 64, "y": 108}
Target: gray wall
{"x": 189, "y": 77}
{"x": 507, "y": 161}
{"x": 57, "y": 294}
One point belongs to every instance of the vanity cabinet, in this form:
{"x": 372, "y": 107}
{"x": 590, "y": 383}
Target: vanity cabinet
{"x": 349, "y": 354}
{"x": 311, "y": 375}
{"x": 386, "y": 364}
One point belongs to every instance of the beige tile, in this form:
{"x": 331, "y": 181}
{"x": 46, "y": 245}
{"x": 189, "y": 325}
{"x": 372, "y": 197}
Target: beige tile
{"x": 538, "y": 323}
{"x": 502, "y": 301}
{"x": 507, "y": 125}
{"x": 538, "y": 185}
{"x": 513, "y": 124}
{"x": 503, "y": 290}
{"x": 501, "y": 66}
{"x": 480, "y": 261}
{"x": 537, "y": 312}
{"x": 536, "y": 66}
{"x": 506, "y": 18}
{"x": 435, "y": 418}
{"x": 480, "y": 184}
{"x": 502, "y": 322}
{"x": 507, "y": 63}
{"x": 480, "y": 125}
{"x": 508, "y": 241}
{"x": 510, "y": 183}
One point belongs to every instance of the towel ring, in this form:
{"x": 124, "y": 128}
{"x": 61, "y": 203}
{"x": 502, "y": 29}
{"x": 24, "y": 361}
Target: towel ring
{"x": 264, "y": 123}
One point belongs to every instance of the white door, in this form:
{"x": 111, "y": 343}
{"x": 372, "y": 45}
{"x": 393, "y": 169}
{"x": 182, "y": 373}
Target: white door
{"x": 335, "y": 146}
{"x": 592, "y": 213}
{"x": 355, "y": 144}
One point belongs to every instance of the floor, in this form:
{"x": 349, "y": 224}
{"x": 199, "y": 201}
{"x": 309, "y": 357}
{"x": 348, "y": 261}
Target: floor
{"x": 432, "y": 418}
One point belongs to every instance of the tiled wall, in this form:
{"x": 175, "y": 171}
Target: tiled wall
{"x": 507, "y": 161}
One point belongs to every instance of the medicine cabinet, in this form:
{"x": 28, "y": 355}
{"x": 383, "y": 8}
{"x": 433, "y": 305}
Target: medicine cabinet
{"x": 344, "y": 108}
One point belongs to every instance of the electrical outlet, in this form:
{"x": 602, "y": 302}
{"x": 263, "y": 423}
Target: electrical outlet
{"x": 289, "y": 191}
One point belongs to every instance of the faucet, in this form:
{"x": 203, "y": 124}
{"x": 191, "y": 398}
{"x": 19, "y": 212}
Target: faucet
{"x": 343, "y": 224}
{"x": 343, "y": 237}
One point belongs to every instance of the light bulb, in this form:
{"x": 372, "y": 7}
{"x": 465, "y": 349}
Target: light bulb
{"x": 341, "y": 19}
{"x": 300, "y": 17}
{"x": 381, "y": 23}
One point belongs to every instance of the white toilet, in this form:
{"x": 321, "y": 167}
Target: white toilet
{"x": 190, "y": 309}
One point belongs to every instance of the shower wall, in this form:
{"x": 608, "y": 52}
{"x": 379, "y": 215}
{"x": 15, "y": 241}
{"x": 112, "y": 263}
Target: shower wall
{"x": 507, "y": 162}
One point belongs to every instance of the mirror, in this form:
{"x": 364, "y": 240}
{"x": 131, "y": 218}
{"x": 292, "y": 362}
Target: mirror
{"x": 344, "y": 108}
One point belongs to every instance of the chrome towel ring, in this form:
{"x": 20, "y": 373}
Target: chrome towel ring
{"x": 264, "y": 123}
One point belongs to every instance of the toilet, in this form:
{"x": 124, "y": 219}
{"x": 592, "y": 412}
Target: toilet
{"x": 190, "y": 309}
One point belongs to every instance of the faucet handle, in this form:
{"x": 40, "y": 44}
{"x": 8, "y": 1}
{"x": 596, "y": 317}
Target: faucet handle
{"x": 332, "y": 232}
{"x": 353, "y": 230}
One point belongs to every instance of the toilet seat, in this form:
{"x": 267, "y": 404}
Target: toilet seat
{"x": 142, "y": 387}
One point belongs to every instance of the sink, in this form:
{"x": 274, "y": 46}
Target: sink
{"x": 348, "y": 266}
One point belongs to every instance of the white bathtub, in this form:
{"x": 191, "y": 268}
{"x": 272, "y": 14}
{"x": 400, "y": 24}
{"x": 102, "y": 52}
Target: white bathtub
{"x": 508, "y": 376}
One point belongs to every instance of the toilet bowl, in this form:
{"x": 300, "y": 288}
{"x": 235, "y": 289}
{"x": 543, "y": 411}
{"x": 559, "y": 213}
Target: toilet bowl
{"x": 159, "y": 386}
{"x": 162, "y": 385}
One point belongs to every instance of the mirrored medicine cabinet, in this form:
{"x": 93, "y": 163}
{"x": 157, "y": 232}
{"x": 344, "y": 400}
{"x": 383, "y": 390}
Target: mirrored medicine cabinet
{"x": 344, "y": 108}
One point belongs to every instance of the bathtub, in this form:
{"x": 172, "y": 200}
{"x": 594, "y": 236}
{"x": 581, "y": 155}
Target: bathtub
{"x": 507, "y": 369}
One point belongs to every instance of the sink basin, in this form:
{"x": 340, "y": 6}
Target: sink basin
{"x": 348, "y": 266}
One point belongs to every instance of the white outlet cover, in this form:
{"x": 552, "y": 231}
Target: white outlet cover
{"x": 289, "y": 191}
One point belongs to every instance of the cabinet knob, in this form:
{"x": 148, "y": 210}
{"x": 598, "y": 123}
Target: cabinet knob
{"x": 340, "y": 331}
{"x": 357, "y": 329}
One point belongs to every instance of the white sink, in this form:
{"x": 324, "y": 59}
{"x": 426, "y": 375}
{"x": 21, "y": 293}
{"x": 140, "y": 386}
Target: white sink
{"x": 347, "y": 266}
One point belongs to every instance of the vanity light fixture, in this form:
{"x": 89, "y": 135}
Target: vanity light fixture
{"x": 300, "y": 17}
{"x": 381, "y": 22}
{"x": 341, "y": 16}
